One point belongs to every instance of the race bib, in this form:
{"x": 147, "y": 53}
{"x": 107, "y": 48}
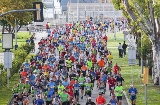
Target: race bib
{"x": 80, "y": 83}
{"x": 112, "y": 88}
{"x": 52, "y": 86}
{"x": 76, "y": 88}
{"x": 88, "y": 88}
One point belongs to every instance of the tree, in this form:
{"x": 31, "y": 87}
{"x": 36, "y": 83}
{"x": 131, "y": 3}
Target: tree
{"x": 8, "y": 21}
{"x": 144, "y": 15}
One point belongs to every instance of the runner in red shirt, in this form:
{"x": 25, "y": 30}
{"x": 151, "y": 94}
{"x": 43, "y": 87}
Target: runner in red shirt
{"x": 105, "y": 38}
{"x": 100, "y": 100}
{"x": 70, "y": 87}
{"x": 116, "y": 69}
{"x": 112, "y": 83}
{"x": 70, "y": 94}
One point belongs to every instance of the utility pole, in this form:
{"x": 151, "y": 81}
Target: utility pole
{"x": 141, "y": 55}
{"x": 77, "y": 10}
{"x": 53, "y": 11}
{"x": 16, "y": 46}
{"x": 114, "y": 24}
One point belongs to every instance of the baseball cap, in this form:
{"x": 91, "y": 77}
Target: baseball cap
{"x": 131, "y": 85}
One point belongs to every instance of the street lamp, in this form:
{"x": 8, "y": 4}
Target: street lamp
{"x": 77, "y": 10}
{"x": 7, "y": 44}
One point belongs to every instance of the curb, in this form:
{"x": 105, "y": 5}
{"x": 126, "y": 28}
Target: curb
{"x": 124, "y": 92}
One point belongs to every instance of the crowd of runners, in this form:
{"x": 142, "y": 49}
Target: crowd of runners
{"x": 71, "y": 61}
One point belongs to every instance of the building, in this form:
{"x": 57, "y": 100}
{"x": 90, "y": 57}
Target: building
{"x": 104, "y": 1}
{"x": 52, "y": 7}
{"x": 64, "y": 2}
{"x": 99, "y": 11}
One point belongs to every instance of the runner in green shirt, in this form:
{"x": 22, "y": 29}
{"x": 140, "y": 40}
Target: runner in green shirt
{"x": 88, "y": 88}
{"x": 60, "y": 88}
{"x": 81, "y": 80}
{"x": 64, "y": 98}
{"x": 68, "y": 64}
{"x": 119, "y": 92}
{"x": 77, "y": 77}
{"x": 89, "y": 64}
{"x": 15, "y": 90}
{"x": 27, "y": 86}
{"x": 20, "y": 87}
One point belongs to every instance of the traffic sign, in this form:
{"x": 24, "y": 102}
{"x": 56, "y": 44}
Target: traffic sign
{"x": 132, "y": 55}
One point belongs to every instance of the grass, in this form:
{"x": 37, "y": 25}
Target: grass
{"x": 6, "y": 94}
{"x": 153, "y": 91}
{"x": 21, "y": 39}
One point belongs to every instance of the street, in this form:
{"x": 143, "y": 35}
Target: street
{"x": 95, "y": 91}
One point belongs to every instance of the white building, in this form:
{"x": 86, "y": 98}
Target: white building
{"x": 99, "y": 11}
{"x": 52, "y": 7}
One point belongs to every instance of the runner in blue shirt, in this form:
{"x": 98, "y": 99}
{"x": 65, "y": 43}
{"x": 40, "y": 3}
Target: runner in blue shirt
{"x": 132, "y": 92}
{"x": 51, "y": 84}
{"x": 76, "y": 90}
{"x": 113, "y": 101}
{"x": 39, "y": 101}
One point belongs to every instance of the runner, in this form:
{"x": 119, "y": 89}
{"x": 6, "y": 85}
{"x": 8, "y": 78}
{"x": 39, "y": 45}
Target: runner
{"x": 89, "y": 102}
{"x": 112, "y": 83}
{"x": 100, "y": 100}
{"x": 119, "y": 93}
{"x": 81, "y": 81}
{"x": 132, "y": 92}
{"x": 70, "y": 51}
{"x": 76, "y": 90}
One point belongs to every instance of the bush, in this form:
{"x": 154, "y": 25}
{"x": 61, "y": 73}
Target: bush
{"x": 19, "y": 57}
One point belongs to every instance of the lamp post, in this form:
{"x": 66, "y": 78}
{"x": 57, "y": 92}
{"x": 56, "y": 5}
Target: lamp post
{"x": 53, "y": 11}
{"x": 16, "y": 46}
{"x": 77, "y": 10}
{"x": 114, "y": 25}
{"x": 7, "y": 44}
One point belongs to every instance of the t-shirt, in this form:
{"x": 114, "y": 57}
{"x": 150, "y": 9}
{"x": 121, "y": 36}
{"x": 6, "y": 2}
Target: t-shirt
{"x": 119, "y": 90}
{"x": 111, "y": 82}
{"x": 64, "y": 97}
{"x": 113, "y": 102}
{"x": 88, "y": 86}
{"x": 39, "y": 102}
{"x": 52, "y": 85}
{"x": 15, "y": 90}
{"x": 109, "y": 57}
{"x": 132, "y": 91}
{"x": 20, "y": 85}
{"x": 81, "y": 80}
{"x": 100, "y": 100}
{"x": 65, "y": 83}
{"x": 76, "y": 86}
{"x": 49, "y": 95}
{"x": 101, "y": 63}
{"x": 89, "y": 64}
{"x": 116, "y": 68}
{"x": 60, "y": 89}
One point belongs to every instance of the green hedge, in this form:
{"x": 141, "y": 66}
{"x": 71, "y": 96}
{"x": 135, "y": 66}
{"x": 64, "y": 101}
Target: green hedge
{"x": 19, "y": 57}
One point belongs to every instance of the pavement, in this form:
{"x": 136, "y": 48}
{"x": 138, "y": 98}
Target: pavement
{"x": 95, "y": 90}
